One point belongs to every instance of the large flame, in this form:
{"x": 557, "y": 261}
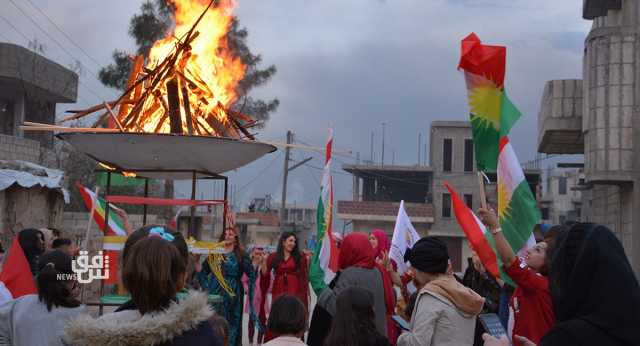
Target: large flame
{"x": 211, "y": 72}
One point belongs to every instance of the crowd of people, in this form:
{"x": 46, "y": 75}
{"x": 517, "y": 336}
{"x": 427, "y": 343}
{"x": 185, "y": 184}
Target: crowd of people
{"x": 574, "y": 287}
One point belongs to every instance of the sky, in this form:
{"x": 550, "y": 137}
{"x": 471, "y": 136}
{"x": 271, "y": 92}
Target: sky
{"x": 347, "y": 64}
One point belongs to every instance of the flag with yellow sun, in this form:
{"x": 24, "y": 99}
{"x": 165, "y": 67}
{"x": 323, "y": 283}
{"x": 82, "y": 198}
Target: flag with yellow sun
{"x": 517, "y": 209}
{"x": 492, "y": 113}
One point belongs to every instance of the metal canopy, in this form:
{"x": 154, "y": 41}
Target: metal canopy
{"x": 167, "y": 156}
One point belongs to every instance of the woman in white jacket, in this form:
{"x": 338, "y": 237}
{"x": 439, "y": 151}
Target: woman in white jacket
{"x": 445, "y": 311}
{"x": 39, "y": 319}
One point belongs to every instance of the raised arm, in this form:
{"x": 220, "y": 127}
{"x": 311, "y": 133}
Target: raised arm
{"x": 490, "y": 219}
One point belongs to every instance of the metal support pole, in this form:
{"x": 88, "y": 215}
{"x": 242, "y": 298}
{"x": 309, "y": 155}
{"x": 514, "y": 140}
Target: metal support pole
{"x": 191, "y": 231}
{"x": 144, "y": 208}
{"x": 106, "y": 212}
{"x": 226, "y": 205}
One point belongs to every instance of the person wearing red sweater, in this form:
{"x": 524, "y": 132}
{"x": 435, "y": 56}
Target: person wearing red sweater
{"x": 291, "y": 272}
{"x": 531, "y": 301}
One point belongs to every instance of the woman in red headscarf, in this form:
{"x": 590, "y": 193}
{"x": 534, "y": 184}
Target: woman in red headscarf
{"x": 381, "y": 246}
{"x": 358, "y": 267}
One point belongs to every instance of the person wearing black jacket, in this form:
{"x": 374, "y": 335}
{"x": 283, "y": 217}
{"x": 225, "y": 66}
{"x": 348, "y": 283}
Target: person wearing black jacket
{"x": 477, "y": 278}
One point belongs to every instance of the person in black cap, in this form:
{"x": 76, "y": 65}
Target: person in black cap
{"x": 445, "y": 311}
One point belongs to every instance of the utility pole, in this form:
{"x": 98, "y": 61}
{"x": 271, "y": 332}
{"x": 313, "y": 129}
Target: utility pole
{"x": 288, "y": 169}
{"x": 283, "y": 205}
{"x": 372, "y": 148}
{"x": 383, "y": 125}
{"x": 419, "y": 148}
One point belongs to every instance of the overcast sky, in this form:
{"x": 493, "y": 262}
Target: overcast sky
{"x": 349, "y": 64}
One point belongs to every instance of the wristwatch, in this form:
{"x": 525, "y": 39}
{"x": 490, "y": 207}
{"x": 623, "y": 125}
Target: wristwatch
{"x": 495, "y": 231}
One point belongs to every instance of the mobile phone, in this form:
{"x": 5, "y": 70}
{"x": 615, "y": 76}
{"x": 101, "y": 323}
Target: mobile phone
{"x": 491, "y": 324}
{"x": 401, "y": 322}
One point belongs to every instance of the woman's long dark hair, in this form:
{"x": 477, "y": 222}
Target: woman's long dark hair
{"x": 238, "y": 249}
{"x": 295, "y": 253}
{"x": 29, "y": 240}
{"x": 353, "y": 324}
{"x": 53, "y": 290}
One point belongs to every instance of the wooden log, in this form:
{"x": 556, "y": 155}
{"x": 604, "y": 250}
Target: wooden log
{"x": 173, "y": 100}
{"x": 187, "y": 107}
{"x": 114, "y": 117}
{"x": 81, "y": 113}
{"x": 66, "y": 129}
{"x": 133, "y": 76}
{"x": 161, "y": 122}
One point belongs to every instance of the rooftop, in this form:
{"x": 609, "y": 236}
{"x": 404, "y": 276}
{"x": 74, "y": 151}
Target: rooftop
{"x": 451, "y": 123}
{"x": 383, "y": 211}
{"x": 354, "y": 169}
{"x": 23, "y": 68}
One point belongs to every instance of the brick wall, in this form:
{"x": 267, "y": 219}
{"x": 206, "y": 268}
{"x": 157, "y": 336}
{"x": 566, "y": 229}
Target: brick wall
{"x": 17, "y": 148}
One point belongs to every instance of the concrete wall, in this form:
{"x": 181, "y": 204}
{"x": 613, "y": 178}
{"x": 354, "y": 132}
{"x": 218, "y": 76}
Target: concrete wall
{"x": 560, "y": 118}
{"x": 463, "y": 182}
{"x": 16, "y": 148}
{"x": 611, "y": 123}
{"x": 611, "y": 85}
{"x": 28, "y": 208}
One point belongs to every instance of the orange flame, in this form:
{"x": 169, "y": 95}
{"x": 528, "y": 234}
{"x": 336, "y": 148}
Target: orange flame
{"x": 209, "y": 71}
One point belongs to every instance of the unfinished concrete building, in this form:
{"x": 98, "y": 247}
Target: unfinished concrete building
{"x": 31, "y": 193}
{"x": 599, "y": 117}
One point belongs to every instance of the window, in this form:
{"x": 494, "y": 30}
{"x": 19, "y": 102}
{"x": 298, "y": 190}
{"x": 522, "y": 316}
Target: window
{"x": 468, "y": 155}
{"x": 545, "y": 213}
{"x": 446, "y": 205}
{"x": 562, "y": 186}
{"x": 447, "y": 154}
{"x": 468, "y": 200}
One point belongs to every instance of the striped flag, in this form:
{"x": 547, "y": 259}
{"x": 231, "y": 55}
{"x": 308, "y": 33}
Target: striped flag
{"x": 115, "y": 228}
{"x": 517, "y": 209}
{"x": 492, "y": 113}
{"x": 324, "y": 263}
{"x": 480, "y": 239}
{"x": 115, "y": 222}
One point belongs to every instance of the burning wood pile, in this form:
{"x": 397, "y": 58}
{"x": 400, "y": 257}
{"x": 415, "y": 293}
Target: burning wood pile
{"x": 186, "y": 87}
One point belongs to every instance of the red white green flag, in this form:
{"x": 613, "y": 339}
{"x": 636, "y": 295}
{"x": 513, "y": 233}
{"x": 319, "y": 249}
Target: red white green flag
{"x": 517, "y": 209}
{"x": 479, "y": 238}
{"x": 115, "y": 222}
{"x": 324, "y": 263}
{"x": 115, "y": 228}
{"x": 492, "y": 113}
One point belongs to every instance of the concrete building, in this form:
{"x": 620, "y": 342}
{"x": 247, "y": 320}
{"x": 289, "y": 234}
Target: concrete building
{"x": 377, "y": 190}
{"x": 562, "y": 195}
{"x": 261, "y": 225}
{"x": 599, "y": 117}
{"x": 31, "y": 193}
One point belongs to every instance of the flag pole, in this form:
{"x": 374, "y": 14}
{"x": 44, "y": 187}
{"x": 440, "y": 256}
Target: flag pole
{"x": 85, "y": 243}
{"x": 483, "y": 194}
{"x": 93, "y": 209}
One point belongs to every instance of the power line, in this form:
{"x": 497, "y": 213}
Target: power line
{"x": 275, "y": 158}
{"x": 64, "y": 33}
{"x": 58, "y": 44}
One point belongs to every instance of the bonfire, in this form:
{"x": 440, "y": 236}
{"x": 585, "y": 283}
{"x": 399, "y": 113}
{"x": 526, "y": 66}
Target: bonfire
{"x": 186, "y": 85}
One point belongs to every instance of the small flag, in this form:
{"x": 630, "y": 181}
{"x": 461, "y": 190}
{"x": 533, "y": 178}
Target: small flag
{"x": 115, "y": 222}
{"x": 404, "y": 237}
{"x": 325, "y": 256}
{"x": 16, "y": 273}
{"x": 115, "y": 228}
{"x": 492, "y": 113}
{"x": 476, "y": 233}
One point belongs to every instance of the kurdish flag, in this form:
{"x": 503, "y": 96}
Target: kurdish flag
{"x": 115, "y": 228}
{"x": 115, "y": 222}
{"x": 517, "y": 209}
{"x": 479, "y": 237}
{"x": 324, "y": 264}
{"x": 492, "y": 113}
